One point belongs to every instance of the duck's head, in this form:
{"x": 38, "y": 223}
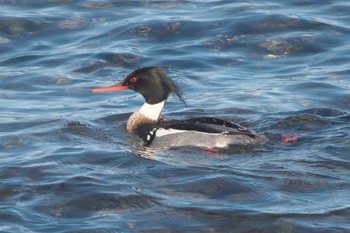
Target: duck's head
{"x": 150, "y": 82}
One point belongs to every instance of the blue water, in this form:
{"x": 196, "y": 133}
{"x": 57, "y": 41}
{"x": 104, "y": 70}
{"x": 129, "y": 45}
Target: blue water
{"x": 279, "y": 67}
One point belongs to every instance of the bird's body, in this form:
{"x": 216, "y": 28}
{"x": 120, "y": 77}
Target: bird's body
{"x": 156, "y": 131}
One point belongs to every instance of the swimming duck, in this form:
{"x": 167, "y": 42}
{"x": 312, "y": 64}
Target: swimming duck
{"x": 156, "y": 131}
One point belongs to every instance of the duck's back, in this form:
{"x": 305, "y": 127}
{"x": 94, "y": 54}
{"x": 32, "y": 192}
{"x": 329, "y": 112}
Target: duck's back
{"x": 199, "y": 132}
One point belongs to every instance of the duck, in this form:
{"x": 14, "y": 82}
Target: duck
{"x": 157, "y": 131}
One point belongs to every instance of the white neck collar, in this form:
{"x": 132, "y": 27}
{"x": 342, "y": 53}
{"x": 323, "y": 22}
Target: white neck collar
{"x": 152, "y": 111}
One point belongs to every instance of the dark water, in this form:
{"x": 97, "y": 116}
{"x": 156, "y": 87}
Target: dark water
{"x": 280, "y": 67}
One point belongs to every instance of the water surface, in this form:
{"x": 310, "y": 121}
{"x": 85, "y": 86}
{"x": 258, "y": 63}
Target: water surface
{"x": 275, "y": 66}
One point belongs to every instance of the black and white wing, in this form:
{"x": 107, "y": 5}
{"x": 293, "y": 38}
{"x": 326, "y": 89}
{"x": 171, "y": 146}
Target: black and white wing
{"x": 209, "y": 125}
{"x": 196, "y": 131}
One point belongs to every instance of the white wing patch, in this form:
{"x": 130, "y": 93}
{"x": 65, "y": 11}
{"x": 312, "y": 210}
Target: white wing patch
{"x": 162, "y": 132}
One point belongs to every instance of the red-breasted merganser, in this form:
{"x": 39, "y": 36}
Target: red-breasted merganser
{"x": 157, "y": 131}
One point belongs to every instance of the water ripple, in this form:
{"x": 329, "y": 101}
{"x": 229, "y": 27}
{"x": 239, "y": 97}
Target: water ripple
{"x": 278, "y": 67}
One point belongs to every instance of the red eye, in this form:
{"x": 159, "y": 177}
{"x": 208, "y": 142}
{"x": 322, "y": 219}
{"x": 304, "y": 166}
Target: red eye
{"x": 133, "y": 79}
